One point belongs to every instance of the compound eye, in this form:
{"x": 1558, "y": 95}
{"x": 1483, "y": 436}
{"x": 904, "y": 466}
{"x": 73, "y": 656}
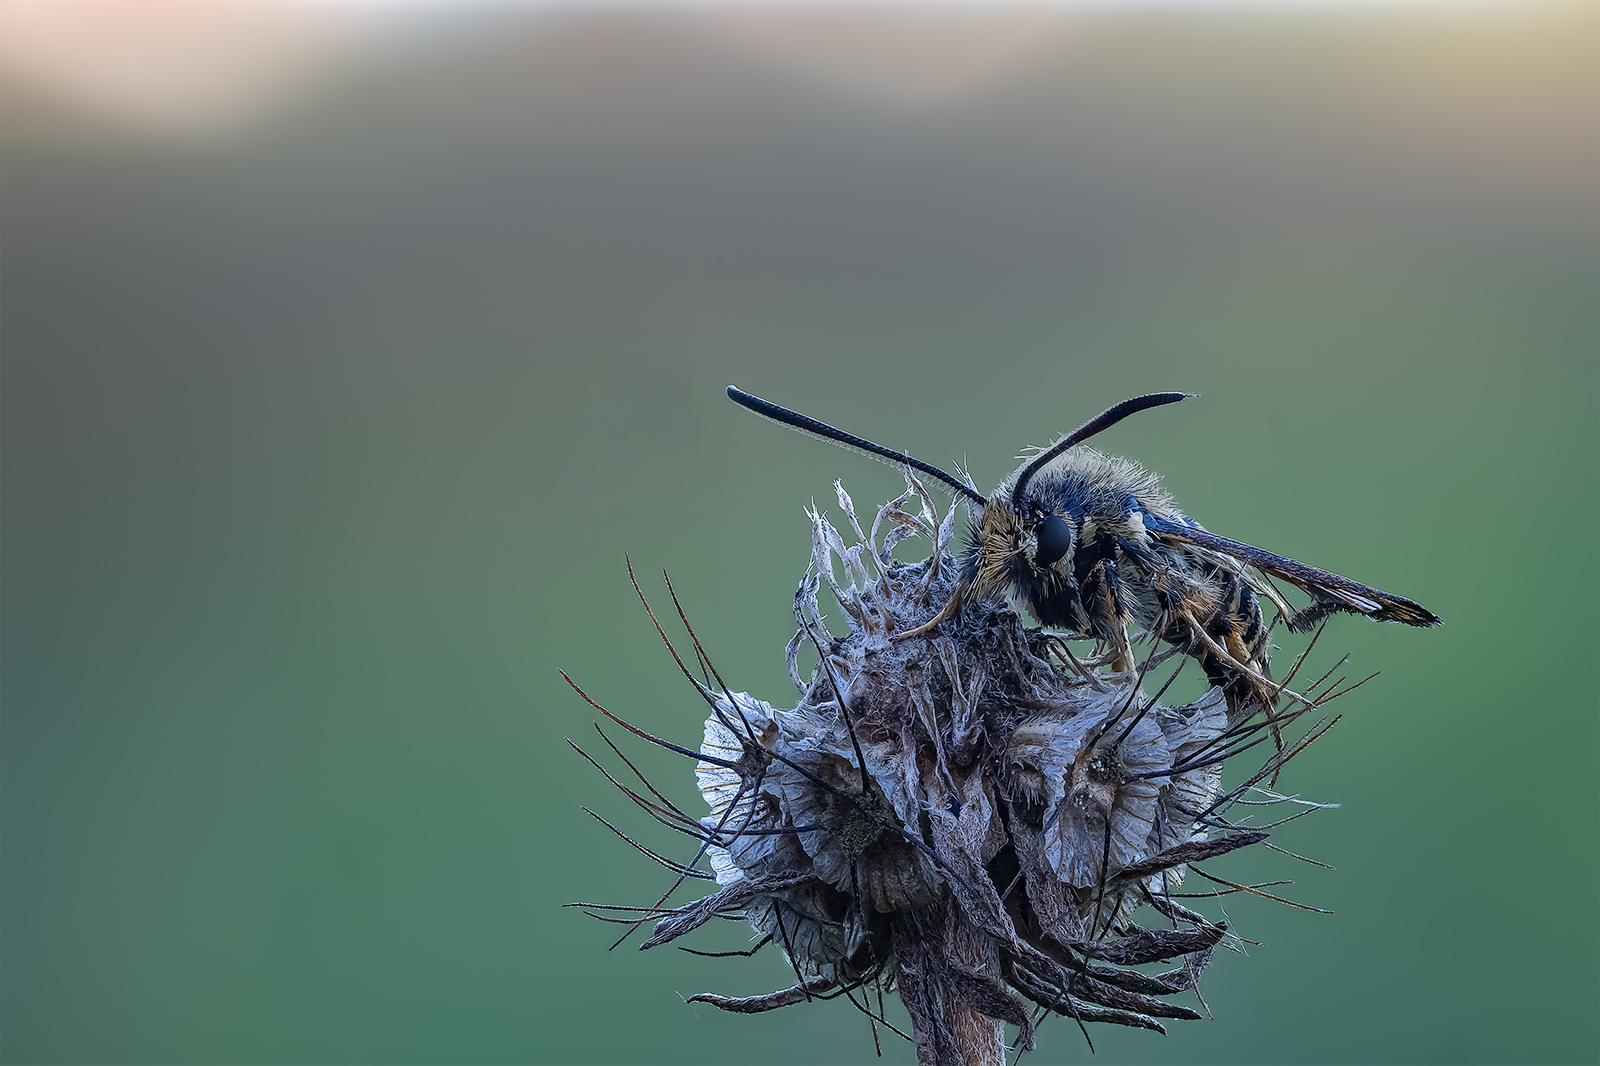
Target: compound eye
{"x": 1054, "y": 538}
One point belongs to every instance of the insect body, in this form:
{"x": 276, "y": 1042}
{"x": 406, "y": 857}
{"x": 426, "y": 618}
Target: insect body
{"x": 1079, "y": 547}
{"x": 1092, "y": 544}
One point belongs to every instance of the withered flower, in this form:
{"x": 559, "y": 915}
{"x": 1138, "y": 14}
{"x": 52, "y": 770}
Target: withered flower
{"x": 970, "y": 817}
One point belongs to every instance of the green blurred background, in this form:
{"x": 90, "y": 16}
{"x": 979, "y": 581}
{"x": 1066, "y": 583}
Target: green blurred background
{"x": 329, "y": 418}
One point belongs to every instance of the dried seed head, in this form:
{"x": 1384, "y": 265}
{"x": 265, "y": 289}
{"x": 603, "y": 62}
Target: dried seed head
{"x": 966, "y": 816}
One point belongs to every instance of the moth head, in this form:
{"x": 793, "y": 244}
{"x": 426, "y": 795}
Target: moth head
{"x": 1009, "y": 554}
{"x": 1008, "y": 545}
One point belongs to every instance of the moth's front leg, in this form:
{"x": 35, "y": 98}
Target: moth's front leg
{"x": 1105, "y": 600}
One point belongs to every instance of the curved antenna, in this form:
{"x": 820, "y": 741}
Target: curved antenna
{"x": 806, "y": 424}
{"x": 1104, "y": 420}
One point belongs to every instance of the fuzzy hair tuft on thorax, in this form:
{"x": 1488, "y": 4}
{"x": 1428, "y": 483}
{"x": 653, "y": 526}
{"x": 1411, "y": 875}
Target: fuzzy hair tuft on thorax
{"x": 972, "y": 817}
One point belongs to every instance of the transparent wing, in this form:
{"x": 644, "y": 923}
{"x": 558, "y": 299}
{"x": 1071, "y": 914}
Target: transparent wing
{"x": 1330, "y": 591}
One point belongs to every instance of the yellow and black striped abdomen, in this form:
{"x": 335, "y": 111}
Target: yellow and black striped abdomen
{"x": 1235, "y": 624}
{"x": 1219, "y": 619}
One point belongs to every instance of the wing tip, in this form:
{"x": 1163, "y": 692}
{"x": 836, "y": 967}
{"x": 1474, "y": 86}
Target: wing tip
{"x": 1411, "y": 614}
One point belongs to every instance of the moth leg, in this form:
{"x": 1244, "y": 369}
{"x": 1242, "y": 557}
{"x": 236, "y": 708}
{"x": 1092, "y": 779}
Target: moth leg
{"x": 1220, "y": 653}
{"x": 1172, "y": 590}
{"x": 1237, "y": 625}
{"x": 1104, "y": 601}
{"x": 1120, "y": 610}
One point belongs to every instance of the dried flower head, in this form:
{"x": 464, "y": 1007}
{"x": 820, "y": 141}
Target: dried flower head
{"x": 970, "y": 817}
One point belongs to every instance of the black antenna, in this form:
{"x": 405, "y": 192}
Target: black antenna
{"x": 806, "y": 424}
{"x": 1104, "y": 420}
